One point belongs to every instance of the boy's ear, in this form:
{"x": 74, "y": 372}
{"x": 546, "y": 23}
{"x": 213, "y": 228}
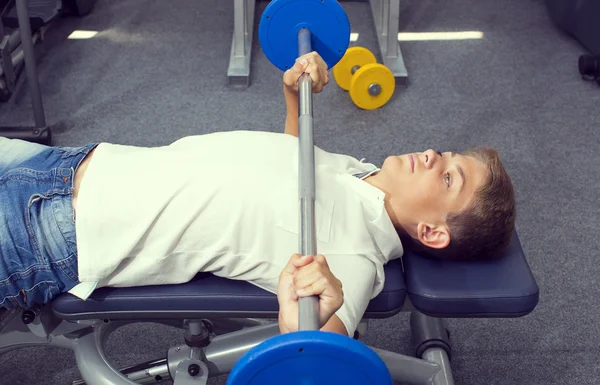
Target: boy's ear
{"x": 436, "y": 237}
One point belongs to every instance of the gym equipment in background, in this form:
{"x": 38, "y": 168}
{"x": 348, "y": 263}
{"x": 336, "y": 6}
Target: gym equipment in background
{"x": 589, "y": 67}
{"x": 16, "y": 51}
{"x": 22, "y": 25}
{"x": 579, "y": 19}
{"x": 386, "y": 19}
{"x": 370, "y": 84}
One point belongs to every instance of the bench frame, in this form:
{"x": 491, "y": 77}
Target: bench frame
{"x": 230, "y": 339}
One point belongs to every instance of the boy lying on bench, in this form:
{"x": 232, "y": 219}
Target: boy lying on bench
{"x": 74, "y": 219}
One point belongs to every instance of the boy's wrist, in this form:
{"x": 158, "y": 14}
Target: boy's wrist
{"x": 291, "y": 105}
{"x": 289, "y": 92}
{"x": 288, "y": 320}
{"x": 282, "y": 325}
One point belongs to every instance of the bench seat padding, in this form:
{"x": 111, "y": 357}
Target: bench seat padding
{"x": 207, "y": 295}
{"x": 499, "y": 288}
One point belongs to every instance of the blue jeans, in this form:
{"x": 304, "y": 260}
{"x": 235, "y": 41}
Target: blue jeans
{"x": 38, "y": 249}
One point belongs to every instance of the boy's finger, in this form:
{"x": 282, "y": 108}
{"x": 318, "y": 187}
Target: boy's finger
{"x": 315, "y": 288}
{"x": 321, "y": 61}
{"x": 300, "y": 65}
{"x": 325, "y": 69}
{"x": 296, "y": 260}
{"x": 296, "y": 70}
{"x": 293, "y": 294}
{"x": 302, "y": 261}
{"x": 308, "y": 269}
{"x": 306, "y": 276}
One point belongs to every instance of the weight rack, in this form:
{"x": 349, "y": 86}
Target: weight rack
{"x": 386, "y": 16}
{"x": 23, "y": 55}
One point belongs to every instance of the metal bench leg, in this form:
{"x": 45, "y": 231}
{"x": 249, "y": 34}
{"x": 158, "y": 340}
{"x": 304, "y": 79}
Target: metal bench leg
{"x": 238, "y": 73}
{"x": 432, "y": 344}
{"x": 439, "y": 356}
{"x": 386, "y": 16}
{"x": 410, "y": 370}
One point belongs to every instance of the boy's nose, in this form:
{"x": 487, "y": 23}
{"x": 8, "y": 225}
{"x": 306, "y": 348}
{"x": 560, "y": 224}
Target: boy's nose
{"x": 430, "y": 158}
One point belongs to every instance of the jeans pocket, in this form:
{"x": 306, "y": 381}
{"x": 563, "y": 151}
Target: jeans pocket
{"x": 48, "y": 240}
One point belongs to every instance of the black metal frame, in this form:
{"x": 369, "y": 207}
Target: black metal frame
{"x": 40, "y": 132}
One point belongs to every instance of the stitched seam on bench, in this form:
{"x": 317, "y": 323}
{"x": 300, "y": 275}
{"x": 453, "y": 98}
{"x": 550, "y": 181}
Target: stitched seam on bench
{"x": 469, "y": 297}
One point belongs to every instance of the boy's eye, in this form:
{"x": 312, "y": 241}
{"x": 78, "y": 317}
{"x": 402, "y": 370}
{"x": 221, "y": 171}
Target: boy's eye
{"x": 439, "y": 153}
{"x": 447, "y": 178}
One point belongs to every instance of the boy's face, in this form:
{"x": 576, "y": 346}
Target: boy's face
{"x": 423, "y": 188}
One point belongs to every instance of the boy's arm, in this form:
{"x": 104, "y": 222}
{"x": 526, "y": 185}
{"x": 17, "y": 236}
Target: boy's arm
{"x": 334, "y": 325}
{"x": 291, "y": 119}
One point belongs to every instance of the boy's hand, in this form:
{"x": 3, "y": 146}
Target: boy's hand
{"x": 312, "y": 64}
{"x": 305, "y": 276}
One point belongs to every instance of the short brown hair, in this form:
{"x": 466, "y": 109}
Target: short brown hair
{"x": 485, "y": 227}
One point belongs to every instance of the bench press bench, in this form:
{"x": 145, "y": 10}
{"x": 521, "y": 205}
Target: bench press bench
{"x": 223, "y": 319}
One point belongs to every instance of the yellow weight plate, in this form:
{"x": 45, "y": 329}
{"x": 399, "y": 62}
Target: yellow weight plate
{"x": 372, "y": 86}
{"x": 354, "y": 56}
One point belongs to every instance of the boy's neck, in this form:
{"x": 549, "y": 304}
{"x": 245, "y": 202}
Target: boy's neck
{"x": 376, "y": 180}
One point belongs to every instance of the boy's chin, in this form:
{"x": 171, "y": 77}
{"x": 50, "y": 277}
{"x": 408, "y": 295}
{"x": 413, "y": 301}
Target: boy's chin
{"x": 394, "y": 161}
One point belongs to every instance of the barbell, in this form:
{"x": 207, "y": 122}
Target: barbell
{"x": 289, "y": 29}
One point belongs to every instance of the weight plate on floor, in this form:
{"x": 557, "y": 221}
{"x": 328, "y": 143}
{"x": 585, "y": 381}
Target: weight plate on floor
{"x": 372, "y": 86}
{"x": 355, "y": 56}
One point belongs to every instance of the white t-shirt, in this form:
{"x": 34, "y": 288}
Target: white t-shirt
{"x": 227, "y": 203}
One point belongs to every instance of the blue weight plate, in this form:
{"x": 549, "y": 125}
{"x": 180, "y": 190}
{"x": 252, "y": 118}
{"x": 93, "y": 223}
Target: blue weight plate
{"x": 310, "y": 357}
{"x": 282, "y": 19}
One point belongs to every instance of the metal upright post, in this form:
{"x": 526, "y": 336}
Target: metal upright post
{"x": 238, "y": 72}
{"x": 40, "y": 132}
{"x": 30, "y": 66}
{"x": 386, "y": 17}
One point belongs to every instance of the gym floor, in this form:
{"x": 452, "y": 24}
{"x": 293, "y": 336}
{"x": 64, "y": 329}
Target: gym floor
{"x": 156, "y": 72}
